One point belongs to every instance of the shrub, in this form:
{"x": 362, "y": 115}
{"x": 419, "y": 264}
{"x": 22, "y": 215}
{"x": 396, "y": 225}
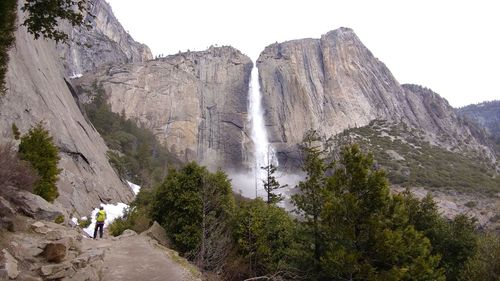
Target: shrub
{"x": 84, "y": 223}
{"x": 7, "y": 28}
{"x": 14, "y": 171}
{"x": 134, "y": 218}
{"x": 59, "y": 219}
{"x": 37, "y": 147}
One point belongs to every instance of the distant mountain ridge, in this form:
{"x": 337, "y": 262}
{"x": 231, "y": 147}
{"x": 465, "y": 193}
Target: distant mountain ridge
{"x": 486, "y": 114}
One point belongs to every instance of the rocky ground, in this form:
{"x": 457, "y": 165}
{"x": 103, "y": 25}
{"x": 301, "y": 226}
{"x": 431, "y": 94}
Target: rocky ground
{"x": 43, "y": 250}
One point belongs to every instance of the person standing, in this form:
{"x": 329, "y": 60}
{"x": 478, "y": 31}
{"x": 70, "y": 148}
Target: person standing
{"x": 100, "y": 217}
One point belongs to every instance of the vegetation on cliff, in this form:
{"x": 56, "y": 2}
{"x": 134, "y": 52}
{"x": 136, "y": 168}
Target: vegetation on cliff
{"x": 7, "y": 27}
{"x": 410, "y": 160}
{"x": 135, "y": 152}
{"x": 37, "y": 147}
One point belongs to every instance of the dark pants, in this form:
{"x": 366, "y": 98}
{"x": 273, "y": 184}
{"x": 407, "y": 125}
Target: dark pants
{"x": 98, "y": 226}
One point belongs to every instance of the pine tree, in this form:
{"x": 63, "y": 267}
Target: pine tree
{"x": 195, "y": 208}
{"x": 37, "y": 147}
{"x": 271, "y": 184}
{"x": 367, "y": 231}
{"x": 310, "y": 200}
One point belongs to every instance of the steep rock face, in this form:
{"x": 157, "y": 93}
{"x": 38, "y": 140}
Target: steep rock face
{"x": 105, "y": 42}
{"x": 486, "y": 114}
{"x": 334, "y": 83}
{"x": 195, "y": 102}
{"x": 38, "y": 92}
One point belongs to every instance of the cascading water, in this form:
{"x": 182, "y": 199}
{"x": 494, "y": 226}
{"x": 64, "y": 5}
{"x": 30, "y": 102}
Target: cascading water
{"x": 263, "y": 151}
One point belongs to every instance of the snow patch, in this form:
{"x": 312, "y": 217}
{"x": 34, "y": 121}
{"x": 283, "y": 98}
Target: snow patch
{"x": 112, "y": 212}
{"x": 135, "y": 188}
{"x": 74, "y": 76}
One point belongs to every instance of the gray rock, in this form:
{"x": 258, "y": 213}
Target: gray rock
{"x": 335, "y": 83}
{"x": 106, "y": 42}
{"x": 55, "y": 271}
{"x": 195, "y": 102}
{"x": 88, "y": 257}
{"x": 7, "y": 213}
{"x": 34, "y": 206}
{"x": 9, "y": 264}
{"x": 158, "y": 233}
{"x": 127, "y": 233}
{"x": 38, "y": 92}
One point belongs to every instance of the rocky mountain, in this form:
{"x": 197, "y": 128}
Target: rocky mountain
{"x": 486, "y": 114}
{"x": 38, "y": 91}
{"x": 195, "y": 102}
{"x": 335, "y": 83}
{"x": 105, "y": 42}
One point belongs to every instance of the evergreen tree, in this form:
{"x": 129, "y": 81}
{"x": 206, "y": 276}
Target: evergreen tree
{"x": 195, "y": 208}
{"x": 310, "y": 200}
{"x": 37, "y": 147}
{"x": 264, "y": 235}
{"x": 271, "y": 184}
{"x": 454, "y": 240}
{"x": 366, "y": 230}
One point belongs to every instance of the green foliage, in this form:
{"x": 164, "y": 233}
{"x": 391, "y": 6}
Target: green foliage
{"x": 37, "y": 147}
{"x": 135, "y": 153}
{"x": 423, "y": 164}
{"x": 15, "y": 131}
{"x": 310, "y": 201}
{"x": 264, "y": 235}
{"x": 365, "y": 231}
{"x": 455, "y": 241}
{"x": 137, "y": 217}
{"x": 59, "y": 219}
{"x": 8, "y": 10}
{"x": 271, "y": 184}
{"x": 188, "y": 204}
{"x": 43, "y": 17}
{"x": 484, "y": 265}
{"x": 84, "y": 223}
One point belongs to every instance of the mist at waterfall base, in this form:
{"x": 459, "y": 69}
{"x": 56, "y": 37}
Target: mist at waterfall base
{"x": 244, "y": 183}
{"x": 250, "y": 184}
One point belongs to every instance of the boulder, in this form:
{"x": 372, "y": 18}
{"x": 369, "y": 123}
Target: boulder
{"x": 158, "y": 233}
{"x": 127, "y": 233}
{"x": 6, "y": 215}
{"x": 9, "y": 264}
{"x": 56, "y": 271}
{"x": 40, "y": 227}
{"x": 55, "y": 252}
{"x": 34, "y": 206}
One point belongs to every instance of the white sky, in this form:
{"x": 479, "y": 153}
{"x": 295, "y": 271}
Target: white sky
{"x": 452, "y": 47}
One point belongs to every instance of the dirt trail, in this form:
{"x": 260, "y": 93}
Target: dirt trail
{"x": 138, "y": 257}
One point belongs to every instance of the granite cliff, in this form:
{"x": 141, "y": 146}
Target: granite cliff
{"x": 39, "y": 91}
{"x": 105, "y": 42}
{"x": 335, "y": 83}
{"x": 195, "y": 102}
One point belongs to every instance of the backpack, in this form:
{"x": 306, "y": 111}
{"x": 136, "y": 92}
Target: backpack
{"x": 101, "y": 216}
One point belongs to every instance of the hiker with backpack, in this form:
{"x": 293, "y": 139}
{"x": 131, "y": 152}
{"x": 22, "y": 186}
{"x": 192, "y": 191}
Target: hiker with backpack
{"x": 100, "y": 217}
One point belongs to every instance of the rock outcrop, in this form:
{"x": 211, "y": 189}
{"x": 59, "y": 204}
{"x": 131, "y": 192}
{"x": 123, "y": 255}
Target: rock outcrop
{"x": 486, "y": 114}
{"x": 195, "y": 102}
{"x": 105, "y": 42}
{"x": 49, "y": 251}
{"x": 38, "y": 92}
{"x": 335, "y": 83}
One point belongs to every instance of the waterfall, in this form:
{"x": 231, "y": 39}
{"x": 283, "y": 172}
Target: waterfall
{"x": 263, "y": 152}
